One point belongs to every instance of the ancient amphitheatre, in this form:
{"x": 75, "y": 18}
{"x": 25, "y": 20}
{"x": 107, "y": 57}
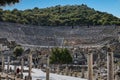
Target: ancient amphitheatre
{"x": 57, "y": 36}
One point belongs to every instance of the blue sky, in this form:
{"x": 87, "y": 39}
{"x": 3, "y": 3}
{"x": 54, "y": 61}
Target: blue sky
{"x": 110, "y": 6}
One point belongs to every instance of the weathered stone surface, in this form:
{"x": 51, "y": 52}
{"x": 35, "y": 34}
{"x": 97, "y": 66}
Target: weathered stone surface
{"x": 37, "y": 35}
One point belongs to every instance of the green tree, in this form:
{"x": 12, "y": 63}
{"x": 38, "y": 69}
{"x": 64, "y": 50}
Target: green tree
{"x": 75, "y": 15}
{"x": 18, "y": 50}
{"x": 60, "y": 56}
{"x": 8, "y": 2}
{"x": 1, "y": 13}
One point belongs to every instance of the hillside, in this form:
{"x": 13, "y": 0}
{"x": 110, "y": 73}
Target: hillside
{"x": 69, "y": 15}
{"x": 43, "y": 36}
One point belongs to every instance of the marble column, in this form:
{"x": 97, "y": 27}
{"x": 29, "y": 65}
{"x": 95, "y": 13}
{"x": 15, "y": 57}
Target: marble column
{"x": 58, "y": 69}
{"x": 110, "y": 65}
{"x": 66, "y": 70}
{"x": 2, "y": 64}
{"x": 90, "y": 65}
{"x": 8, "y": 64}
{"x": 30, "y": 67}
{"x": 82, "y": 72}
{"x": 47, "y": 69}
{"x": 22, "y": 65}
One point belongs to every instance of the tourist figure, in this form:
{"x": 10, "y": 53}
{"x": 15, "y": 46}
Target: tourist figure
{"x": 18, "y": 70}
{"x": 10, "y": 69}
